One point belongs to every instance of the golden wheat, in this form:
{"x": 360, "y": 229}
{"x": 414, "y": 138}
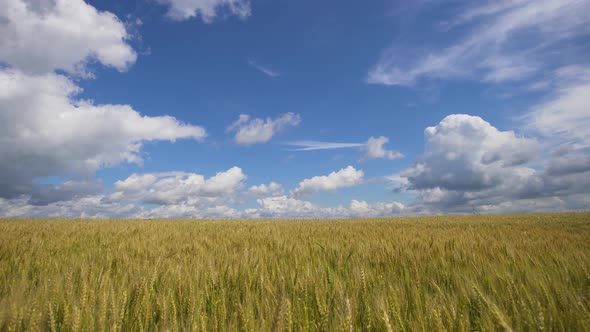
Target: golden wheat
{"x": 471, "y": 273}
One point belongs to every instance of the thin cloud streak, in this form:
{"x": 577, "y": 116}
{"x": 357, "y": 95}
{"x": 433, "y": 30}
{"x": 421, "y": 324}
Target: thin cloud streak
{"x": 263, "y": 69}
{"x": 318, "y": 145}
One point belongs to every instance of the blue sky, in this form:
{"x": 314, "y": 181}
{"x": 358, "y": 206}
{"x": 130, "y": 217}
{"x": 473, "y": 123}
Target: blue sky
{"x": 232, "y": 108}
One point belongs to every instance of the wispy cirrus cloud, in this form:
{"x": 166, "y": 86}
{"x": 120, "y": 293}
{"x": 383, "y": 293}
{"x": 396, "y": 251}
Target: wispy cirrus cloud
{"x": 563, "y": 117}
{"x": 373, "y": 147}
{"x": 319, "y": 145}
{"x": 264, "y": 69}
{"x": 207, "y": 10}
{"x": 497, "y": 41}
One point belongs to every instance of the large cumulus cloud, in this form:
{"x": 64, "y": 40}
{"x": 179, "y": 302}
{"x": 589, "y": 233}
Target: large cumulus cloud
{"x": 470, "y": 166}
{"x": 465, "y": 152}
{"x": 176, "y": 188}
{"x": 45, "y": 129}
{"x": 39, "y": 36}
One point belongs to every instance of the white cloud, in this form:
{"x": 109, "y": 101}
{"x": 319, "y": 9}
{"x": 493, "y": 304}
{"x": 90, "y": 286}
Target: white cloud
{"x": 362, "y": 209}
{"x": 375, "y": 150}
{"x": 263, "y": 189}
{"x": 179, "y": 188}
{"x": 564, "y": 117}
{"x": 569, "y": 163}
{"x": 468, "y": 165}
{"x": 359, "y": 206}
{"x": 207, "y": 10}
{"x": 317, "y": 145}
{"x": 184, "y": 210}
{"x": 190, "y": 195}
{"x": 505, "y": 40}
{"x": 84, "y": 207}
{"x": 42, "y": 194}
{"x": 45, "y": 131}
{"x": 263, "y": 69}
{"x": 285, "y": 207}
{"x": 288, "y": 207}
{"x": 346, "y": 177}
{"x": 224, "y": 183}
{"x": 38, "y": 37}
{"x": 174, "y": 194}
{"x": 100, "y": 207}
{"x": 252, "y": 131}
{"x": 465, "y": 152}
{"x": 578, "y": 202}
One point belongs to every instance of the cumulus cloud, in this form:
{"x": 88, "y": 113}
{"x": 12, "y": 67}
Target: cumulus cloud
{"x": 184, "y": 210}
{"x": 469, "y": 165}
{"x": 285, "y": 206}
{"x": 362, "y": 209}
{"x": 207, "y": 10}
{"x": 190, "y": 195}
{"x": 38, "y": 37}
{"x": 252, "y": 131}
{"x": 179, "y": 188}
{"x": 268, "y": 207}
{"x": 83, "y": 207}
{"x": 45, "y": 131}
{"x": 264, "y": 190}
{"x": 465, "y": 152}
{"x": 346, "y": 177}
{"x": 289, "y": 207}
{"x": 167, "y": 195}
{"x": 504, "y": 41}
{"x": 43, "y": 194}
{"x": 374, "y": 149}
{"x": 98, "y": 207}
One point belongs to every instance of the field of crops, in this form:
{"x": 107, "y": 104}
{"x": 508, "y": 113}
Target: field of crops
{"x": 471, "y": 273}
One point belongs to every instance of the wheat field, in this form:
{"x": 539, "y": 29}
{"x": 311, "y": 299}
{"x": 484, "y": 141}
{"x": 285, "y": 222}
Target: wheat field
{"x": 469, "y": 273}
